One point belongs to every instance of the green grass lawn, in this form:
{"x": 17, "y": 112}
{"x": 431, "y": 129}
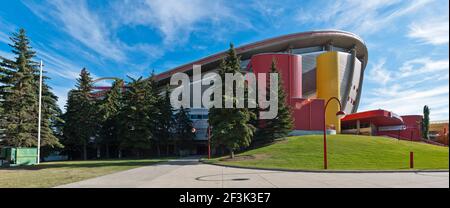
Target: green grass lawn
{"x": 345, "y": 152}
{"x": 50, "y": 174}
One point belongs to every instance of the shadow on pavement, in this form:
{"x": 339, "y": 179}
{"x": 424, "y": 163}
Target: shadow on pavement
{"x": 108, "y": 163}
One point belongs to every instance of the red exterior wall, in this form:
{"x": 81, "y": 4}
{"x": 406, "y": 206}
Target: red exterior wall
{"x": 289, "y": 67}
{"x": 307, "y": 114}
{"x": 412, "y": 129}
{"x": 382, "y": 118}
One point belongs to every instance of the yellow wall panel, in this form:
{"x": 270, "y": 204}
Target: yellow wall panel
{"x": 328, "y": 85}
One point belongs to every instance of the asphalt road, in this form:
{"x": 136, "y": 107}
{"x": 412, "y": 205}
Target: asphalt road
{"x": 189, "y": 173}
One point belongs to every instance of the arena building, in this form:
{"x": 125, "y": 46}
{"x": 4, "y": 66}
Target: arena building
{"x": 314, "y": 67}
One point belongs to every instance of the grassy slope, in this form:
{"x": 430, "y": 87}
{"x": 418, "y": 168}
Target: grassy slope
{"x": 345, "y": 152}
{"x": 51, "y": 174}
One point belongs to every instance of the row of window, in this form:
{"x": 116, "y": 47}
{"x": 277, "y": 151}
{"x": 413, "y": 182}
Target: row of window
{"x": 197, "y": 116}
{"x": 353, "y": 125}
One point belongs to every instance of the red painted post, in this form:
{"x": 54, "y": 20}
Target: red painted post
{"x": 411, "y": 160}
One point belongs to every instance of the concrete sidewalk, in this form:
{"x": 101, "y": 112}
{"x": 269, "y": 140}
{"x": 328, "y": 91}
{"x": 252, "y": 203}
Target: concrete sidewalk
{"x": 188, "y": 172}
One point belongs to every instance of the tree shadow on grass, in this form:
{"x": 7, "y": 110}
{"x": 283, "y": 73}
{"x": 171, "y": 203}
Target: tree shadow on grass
{"x": 90, "y": 164}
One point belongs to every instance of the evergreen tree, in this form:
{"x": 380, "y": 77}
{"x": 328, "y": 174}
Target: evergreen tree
{"x": 281, "y": 125}
{"x": 154, "y": 113}
{"x": 80, "y": 119}
{"x": 165, "y": 120}
{"x": 70, "y": 137}
{"x": 4, "y": 84}
{"x": 183, "y": 128}
{"x": 51, "y": 118}
{"x": 231, "y": 126}
{"x": 19, "y": 89}
{"x": 426, "y": 122}
{"x": 138, "y": 116}
{"x": 20, "y": 98}
{"x": 108, "y": 111}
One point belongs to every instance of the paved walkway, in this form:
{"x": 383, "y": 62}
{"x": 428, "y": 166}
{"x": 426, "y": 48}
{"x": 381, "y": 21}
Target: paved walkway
{"x": 189, "y": 173}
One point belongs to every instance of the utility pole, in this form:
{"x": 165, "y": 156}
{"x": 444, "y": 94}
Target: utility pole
{"x": 39, "y": 116}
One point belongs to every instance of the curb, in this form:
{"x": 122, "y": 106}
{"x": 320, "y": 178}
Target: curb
{"x": 329, "y": 171}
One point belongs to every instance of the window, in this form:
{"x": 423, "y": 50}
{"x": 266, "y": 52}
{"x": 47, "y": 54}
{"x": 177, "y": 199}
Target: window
{"x": 364, "y": 125}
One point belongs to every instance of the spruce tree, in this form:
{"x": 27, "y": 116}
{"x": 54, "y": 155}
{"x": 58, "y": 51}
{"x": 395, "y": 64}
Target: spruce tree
{"x": 80, "y": 119}
{"x": 281, "y": 125}
{"x": 154, "y": 103}
{"x": 19, "y": 88}
{"x": 108, "y": 111}
{"x": 70, "y": 138}
{"x": 138, "y": 117}
{"x": 165, "y": 120}
{"x": 20, "y": 99}
{"x": 183, "y": 128}
{"x": 51, "y": 118}
{"x": 231, "y": 126}
{"x": 4, "y": 84}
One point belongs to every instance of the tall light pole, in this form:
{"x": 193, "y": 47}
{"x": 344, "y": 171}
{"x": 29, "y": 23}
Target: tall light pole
{"x": 339, "y": 114}
{"x": 39, "y": 114}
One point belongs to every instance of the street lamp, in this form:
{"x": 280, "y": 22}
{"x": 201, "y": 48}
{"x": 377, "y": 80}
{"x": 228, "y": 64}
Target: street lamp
{"x": 339, "y": 115}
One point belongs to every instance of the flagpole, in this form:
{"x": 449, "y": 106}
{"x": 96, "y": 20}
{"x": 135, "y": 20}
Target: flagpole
{"x": 39, "y": 116}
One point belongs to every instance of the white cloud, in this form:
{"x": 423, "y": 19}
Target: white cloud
{"x": 362, "y": 17}
{"x": 61, "y": 93}
{"x": 379, "y": 74}
{"x": 54, "y": 64}
{"x": 435, "y": 32}
{"x": 4, "y": 37}
{"x": 6, "y": 28}
{"x": 410, "y": 101}
{"x": 176, "y": 20}
{"x": 6, "y": 55}
{"x": 58, "y": 65}
{"x": 75, "y": 18}
{"x": 417, "y": 82}
{"x": 423, "y": 66}
{"x": 91, "y": 28}
{"x": 271, "y": 12}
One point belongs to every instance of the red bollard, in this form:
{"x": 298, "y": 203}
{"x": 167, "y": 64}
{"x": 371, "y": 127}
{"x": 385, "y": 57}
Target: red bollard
{"x": 411, "y": 160}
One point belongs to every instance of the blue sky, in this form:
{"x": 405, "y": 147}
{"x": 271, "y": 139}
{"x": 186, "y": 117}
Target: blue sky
{"x": 408, "y": 41}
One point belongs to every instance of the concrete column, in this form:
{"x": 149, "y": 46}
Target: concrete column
{"x": 358, "y": 127}
{"x": 329, "y": 46}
